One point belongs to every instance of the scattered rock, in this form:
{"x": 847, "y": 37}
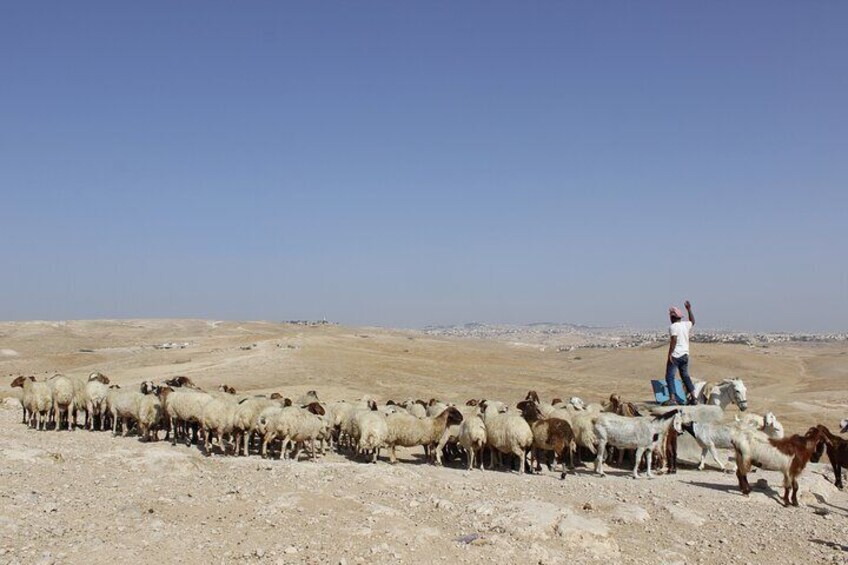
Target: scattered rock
{"x": 629, "y": 514}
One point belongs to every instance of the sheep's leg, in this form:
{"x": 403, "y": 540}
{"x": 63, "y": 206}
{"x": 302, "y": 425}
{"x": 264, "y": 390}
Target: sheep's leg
{"x": 703, "y": 462}
{"x": 392, "y": 455}
{"x": 470, "y": 455}
{"x": 561, "y": 454}
{"x": 312, "y": 446}
{"x": 535, "y": 457}
{"x": 519, "y": 452}
{"x": 599, "y": 460}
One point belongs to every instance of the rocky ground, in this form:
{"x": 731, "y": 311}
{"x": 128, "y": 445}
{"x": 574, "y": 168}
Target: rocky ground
{"x": 74, "y": 497}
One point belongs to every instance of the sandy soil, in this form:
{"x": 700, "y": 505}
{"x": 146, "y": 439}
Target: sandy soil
{"x": 87, "y": 497}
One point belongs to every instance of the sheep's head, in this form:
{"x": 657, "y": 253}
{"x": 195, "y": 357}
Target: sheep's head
{"x": 844, "y": 425}
{"x": 421, "y": 402}
{"x": 163, "y": 392}
{"x": 98, "y": 376}
{"x": 287, "y": 402}
{"x": 532, "y": 395}
{"x": 431, "y": 402}
{"x": 556, "y": 401}
{"x": 315, "y": 408}
{"x": 148, "y": 387}
{"x": 391, "y": 403}
{"x": 577, "y": 403}
{"x": 276, "y": 396}
{"x": 227, "y": 389}
{"x": 529, "y": 410}
{"x": 454, "y": 416}
{"x": 180, "y": 381}
{"x": 19, "y": 382}
{"x": 471, "y": 402}
{"x": 372, "y": 405}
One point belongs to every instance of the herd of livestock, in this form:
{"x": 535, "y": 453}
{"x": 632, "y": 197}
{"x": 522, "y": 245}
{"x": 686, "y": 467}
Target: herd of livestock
{"x": 547, "y": 432}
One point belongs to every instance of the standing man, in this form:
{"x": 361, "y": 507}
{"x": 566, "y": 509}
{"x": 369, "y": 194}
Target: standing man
{"x": 678, "y": 352}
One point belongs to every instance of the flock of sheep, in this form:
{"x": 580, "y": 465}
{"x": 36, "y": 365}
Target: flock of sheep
{"x": 556, "y": 431}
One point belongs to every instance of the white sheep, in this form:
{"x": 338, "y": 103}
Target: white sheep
{"x": 246, "y": 419}
{"x": 506, "y": 433}
{"x": 36, "y": 399}
{"x": 640, "y": 433}
{"x": 472, "y": 438}
{"x": 218, "y": 418}
{"x": 96, "y": 390}
{"x": 767, "y": 424}
{"x": 295, "y": 425}
{"x": 148, "y": 414}
{"x": 183, "y": 407}
{"x": 406, "y": 430}
{"x": 370, "y": 430}
{"x": 62, "y": 391}
{"x": 436, "y": 407}
{"x": 123, "y": 405}
{"x": 415, "y": 408}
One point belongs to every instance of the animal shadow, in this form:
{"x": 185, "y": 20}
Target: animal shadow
{"x": 830, "y": 544}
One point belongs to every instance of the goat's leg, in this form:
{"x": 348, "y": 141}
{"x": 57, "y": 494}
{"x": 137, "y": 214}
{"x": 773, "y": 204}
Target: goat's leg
{"x": 837, "y": 473}
{"x": 599, "y": 461}
{"x": 649, "y": 456}
{"x": 795, "y": 492}
{"x": 637, "y": 460}
{"x": 743, "y": 481}
{"x": 714, "y": 453}
{"x": 703, "y": 463}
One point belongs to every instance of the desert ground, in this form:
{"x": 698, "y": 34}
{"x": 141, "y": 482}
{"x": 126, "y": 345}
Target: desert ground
{"x": 74, "y": 497}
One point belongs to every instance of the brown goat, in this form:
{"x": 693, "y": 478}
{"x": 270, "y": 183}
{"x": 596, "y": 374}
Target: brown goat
{"x": 788, "y": 455}
{"x": 837, "y": 453}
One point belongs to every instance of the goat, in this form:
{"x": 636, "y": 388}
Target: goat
{"x": 788, "y": 455}
{"x": 622, "y": 408}
{"x": 641, "y": 433}
{"x": 837, "y": 453}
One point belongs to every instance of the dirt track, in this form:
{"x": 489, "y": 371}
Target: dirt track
{"x": 87, "y": 497}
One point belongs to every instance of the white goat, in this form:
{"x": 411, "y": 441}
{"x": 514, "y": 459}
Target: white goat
{"x": 641, "y": 433}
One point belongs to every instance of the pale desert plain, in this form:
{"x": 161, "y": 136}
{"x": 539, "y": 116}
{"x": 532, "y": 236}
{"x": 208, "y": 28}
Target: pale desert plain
{"x": 88, "y": 497}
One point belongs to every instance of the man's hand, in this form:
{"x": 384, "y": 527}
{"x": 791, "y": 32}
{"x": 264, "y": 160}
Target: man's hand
{"x": 687, "y": 305}
{"x": 670, "y": 362}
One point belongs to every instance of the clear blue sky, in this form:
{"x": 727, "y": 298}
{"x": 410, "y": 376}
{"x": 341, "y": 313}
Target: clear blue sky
{"x": 403, "y": 163}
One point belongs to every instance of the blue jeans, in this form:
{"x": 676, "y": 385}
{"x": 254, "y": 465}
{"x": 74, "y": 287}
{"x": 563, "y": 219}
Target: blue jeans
{"x": 678, "y": 364}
